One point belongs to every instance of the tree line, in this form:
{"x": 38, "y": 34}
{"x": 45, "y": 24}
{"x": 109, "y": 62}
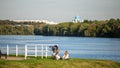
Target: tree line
{"x": 87, "y": 28}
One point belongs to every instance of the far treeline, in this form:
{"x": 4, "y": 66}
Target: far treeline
{"x": 87, "y": 28}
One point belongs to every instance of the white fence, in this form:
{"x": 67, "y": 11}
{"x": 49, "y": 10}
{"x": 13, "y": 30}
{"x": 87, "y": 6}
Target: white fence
{"x": 30, "y": 49}
{"x": 7, "y": 49}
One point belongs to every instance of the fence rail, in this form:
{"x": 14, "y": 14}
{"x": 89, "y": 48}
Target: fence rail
{"x": 29, "y": 50}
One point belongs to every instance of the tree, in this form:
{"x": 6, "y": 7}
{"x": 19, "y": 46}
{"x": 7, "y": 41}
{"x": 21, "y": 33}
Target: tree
{"x": 74, "y": 29}
{"x": 82, "y": 29}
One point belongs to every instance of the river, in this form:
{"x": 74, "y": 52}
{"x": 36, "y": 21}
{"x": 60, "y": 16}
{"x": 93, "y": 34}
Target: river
{"x": 78, "y": 47}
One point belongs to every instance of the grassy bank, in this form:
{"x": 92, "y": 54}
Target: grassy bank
{"x": 49, "y": 63}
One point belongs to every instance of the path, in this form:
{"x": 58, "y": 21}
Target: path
{"x": 13, "y": 58}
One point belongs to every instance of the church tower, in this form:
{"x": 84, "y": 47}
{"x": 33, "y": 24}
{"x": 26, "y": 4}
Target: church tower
{"x": 76, "y": 19}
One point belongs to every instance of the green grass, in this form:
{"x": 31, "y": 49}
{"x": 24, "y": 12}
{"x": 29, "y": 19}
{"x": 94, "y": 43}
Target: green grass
{"x": 50, "y": 63}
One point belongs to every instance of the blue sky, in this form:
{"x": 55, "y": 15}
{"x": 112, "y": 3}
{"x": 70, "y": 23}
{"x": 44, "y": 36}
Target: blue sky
{"x": 59, "y": 10}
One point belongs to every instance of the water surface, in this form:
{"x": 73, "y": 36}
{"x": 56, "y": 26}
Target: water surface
{"x": 78, "y": 47}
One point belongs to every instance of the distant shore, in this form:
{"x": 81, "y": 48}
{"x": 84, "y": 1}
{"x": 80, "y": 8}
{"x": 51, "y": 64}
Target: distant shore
{"x": 87, "y": 28}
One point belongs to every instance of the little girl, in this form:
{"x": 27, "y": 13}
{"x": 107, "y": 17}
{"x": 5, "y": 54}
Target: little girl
{"x": 66, "y": 55}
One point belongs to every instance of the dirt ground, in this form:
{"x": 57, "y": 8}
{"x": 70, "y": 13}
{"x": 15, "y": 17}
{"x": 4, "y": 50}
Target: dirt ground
{"x": 13, "y": 58}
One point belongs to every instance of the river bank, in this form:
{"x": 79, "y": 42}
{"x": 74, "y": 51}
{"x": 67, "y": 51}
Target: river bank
{"x": 50, "y": 63}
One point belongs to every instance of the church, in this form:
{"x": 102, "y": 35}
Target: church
{"x": 76, "y": 19}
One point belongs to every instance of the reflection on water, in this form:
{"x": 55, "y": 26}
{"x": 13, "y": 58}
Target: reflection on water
{"x": 78, "y": 47}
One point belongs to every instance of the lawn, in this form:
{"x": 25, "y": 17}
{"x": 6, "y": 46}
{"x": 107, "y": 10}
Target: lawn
{"x": 50, "y": 63}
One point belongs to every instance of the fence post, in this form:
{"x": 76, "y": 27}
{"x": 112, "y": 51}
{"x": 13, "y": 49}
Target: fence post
{"x": 7, "y": 50}
{"x": 46, "y": 51}
{"x": 25, "y": 52}
{"x": 35, "y": 50}
{"x": 16, "y": 50}
{"x": 42, "y": 51}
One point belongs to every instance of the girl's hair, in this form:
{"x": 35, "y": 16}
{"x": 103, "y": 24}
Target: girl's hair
{"x": 54, "y": 48}
{"x": 66, "y": 52}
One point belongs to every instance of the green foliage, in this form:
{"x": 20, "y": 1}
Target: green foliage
{"x": 107, "y": 28}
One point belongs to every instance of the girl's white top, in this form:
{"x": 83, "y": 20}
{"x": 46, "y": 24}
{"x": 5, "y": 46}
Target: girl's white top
{"x": 66, "y": 57}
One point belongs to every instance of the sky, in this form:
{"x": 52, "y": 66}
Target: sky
{"x": 59, "y": 10}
